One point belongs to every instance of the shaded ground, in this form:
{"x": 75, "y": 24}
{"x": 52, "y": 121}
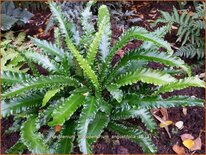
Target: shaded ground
{"x": 193, "y": 121}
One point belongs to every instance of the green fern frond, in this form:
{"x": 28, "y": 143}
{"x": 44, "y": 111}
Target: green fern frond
{"x": 65, "y": 141}
{"x": 157, "y": 101}
{"x": 64, "y": 25}
{"x": 49, "y": 94}
{"x": 17, "y": 105}
{"x": 11, "y": 60}
{"x": 181, "y": 84}
{"x": 40, "y": 82}
{"x": 92, "y": 51}
{"x": 161, "y": 31}
{"x": 103, "y": 14}
{"x": 115, "y": 92}
{"x": 48, "y": 48}
{"x": 84, "y": 65}
{"x": 10, "y": 78}
{"x": 65, "y": 30}
{"x": 58, "y": 38}
{"x": 88, "y": 28}
{"x": 126, "y": 111}
{"x": 97, "y": 126}
{"x": 87, "y": 115}
{"x": 65, "y": 110}
{"x": 154, "y": 56}
{"x": 190, "y": 51}
{"x": 136, "y": 135}
{"x": 133, "y": 33}
{"x": 42, "y": 60}
{"x": 144, "y": 75}
{"x": 189, "y": 29}
{"x": 131, "y": 65}
{"x": 105, "y": 106}
{"x": 32, "y": 138}
{"x": 17, "y": 148}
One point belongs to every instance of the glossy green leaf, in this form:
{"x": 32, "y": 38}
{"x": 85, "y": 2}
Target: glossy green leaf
{"x": 144, "y": 75}
{"x": 87, "y": 115}
{"x": 65, "y": 110}
{"x": 138, "y": 136}
{"x": 49, "y": 94}
{"x": 32, "y": 138}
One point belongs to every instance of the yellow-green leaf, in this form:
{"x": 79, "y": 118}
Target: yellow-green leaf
{"x": 49, "y": 95}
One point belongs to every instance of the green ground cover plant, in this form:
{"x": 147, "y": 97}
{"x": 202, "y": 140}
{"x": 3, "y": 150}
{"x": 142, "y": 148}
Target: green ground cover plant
{"x": 85, "y": 94}
{"x": 190, "y": 30}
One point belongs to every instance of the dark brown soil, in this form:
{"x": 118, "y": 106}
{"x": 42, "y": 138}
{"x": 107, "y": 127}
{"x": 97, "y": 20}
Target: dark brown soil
{"x": 193, "y": 121}
{"x": 7, "y": 140}
{"x": 193, "y": 124}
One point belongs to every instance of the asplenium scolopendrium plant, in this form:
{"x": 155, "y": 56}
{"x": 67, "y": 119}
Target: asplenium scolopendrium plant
{"x": 85, "y": 94}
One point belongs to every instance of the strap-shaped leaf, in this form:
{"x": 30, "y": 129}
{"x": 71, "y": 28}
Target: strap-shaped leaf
{"x": 115, "y": 92}
{"x": 17, "y": 148}
{"x": 138, "y": 136}
{"x": 87, "y": 115}
{"x": 157, "y": 102}
{"x": 125, "y": 112}
{"x": 97, "y": 126}
{"x": 65, "y": 110}
{"x": 104, "y": 46}
{"x": 48, "y": 48}
{"x": 10, "y": 78}
{"x": 162, "y": 57}
{"x": 131, "y": 65}
{"x": 93, "y": 49}
{"x": 42, "y": 60}
{"x": 17, "y": 105}
{"x": 83, "y": 64}
{"x": 49, "y": 94}
{"x": 65, "y": 30}
{"x": 87, "y": 27}
{"x": 133, "y": 33}
{"x": 144, "y": 75}
{"x": 64, "y": 24}
{"x": 181, "y": 84}
{"x": 32, "y": 138}
{"x": 40, "y": 82}
{"x": 67, "y": 135}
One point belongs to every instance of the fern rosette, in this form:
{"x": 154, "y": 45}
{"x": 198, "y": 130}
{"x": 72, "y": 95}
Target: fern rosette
{"x": 84, "y": 94}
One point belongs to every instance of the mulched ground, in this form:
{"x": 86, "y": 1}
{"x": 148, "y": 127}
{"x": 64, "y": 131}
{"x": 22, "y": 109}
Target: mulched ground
{"x": 193, "y": 121}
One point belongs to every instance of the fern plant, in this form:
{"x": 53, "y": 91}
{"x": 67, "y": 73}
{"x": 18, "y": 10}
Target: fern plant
{"x": 12, "y": 49}
{"x": 11, "y": 60}
{"x": 190, "y": 27}
{"x": 83, "y": 94}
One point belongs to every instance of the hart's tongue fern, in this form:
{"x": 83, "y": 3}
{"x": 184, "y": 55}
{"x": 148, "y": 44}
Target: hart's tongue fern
{"x": 84, "y": 94}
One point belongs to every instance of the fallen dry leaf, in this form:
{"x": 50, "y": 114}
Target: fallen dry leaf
{"x": 186, "y": 136}
{"x": 120, "y": 53}
{"x": 184, "y": 111}
{"x": 164, "y": 113}
{"x": 191, "y": 13}
{"x": 188, "y": 143}
{"x": 40, "y": 30}
{"x": 197, "y": 144}
{"x": 166, "y": 123}
{"x": 178, "y": 149}
{"x": 179, "y": 124}
{"x": 174, "y": 27}
{"x": 58, "y": 128}
{"x": 162, "y": 120}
